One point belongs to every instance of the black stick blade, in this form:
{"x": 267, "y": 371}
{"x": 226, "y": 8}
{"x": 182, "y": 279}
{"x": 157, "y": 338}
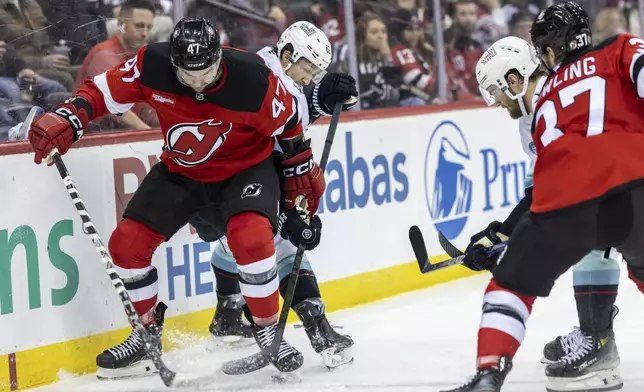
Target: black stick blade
{"x": 418, "y": 245}
{"x": 247, "y": 364}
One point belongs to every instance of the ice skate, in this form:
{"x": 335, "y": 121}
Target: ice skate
{"x": 592, "y": 366}
{"x": 228, "y": 328}
{"x": 130, "y": 359}
{"x": 331, "y": 345}
{"x": 561, "y": 346}
{"x": 288, "y": 358}
{"x": 489, "y": 379}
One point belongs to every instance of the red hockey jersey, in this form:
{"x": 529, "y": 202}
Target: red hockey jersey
{"x": 208, "y": 136}
{"x": 589, "y": 126}
{"x": 416, "y": 71}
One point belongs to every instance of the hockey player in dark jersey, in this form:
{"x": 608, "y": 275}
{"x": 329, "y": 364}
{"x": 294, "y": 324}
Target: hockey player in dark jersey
{"x": 220, "y": 111}
{"x": 590, "y": 106}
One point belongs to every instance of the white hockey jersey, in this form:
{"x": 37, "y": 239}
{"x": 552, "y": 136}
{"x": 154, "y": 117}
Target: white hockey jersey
{"x": 273, "y": 62}
{"x": 525, "y": 130}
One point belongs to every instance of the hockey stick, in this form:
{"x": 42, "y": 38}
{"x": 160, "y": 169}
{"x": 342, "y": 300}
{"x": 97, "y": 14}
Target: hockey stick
{"x": 263, "y": 358}
{"x": 420, "y": 251}
{"x": 166, "y": 374}
{"x": 448, "y": 247}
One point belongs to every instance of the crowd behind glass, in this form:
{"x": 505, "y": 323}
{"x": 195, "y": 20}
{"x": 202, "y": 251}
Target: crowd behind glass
{"x": 47, "y": 48}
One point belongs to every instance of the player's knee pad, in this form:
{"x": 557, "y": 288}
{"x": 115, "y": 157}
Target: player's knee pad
{"x": 250, "y": 238}
{"x": 131, "y": 246}
{"x": 595, "y": 269}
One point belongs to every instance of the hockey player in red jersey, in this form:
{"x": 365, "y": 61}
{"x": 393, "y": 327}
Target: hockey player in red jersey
{"x": 588, "y": 193}
{"x": 300, "y": 59}
{"x": 220, "y": 111}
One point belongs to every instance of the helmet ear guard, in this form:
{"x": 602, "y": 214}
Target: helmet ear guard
{"x": 307, "y": 41}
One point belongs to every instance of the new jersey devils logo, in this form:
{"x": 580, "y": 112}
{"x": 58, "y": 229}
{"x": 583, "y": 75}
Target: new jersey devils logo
{"x": 191, "y": 144}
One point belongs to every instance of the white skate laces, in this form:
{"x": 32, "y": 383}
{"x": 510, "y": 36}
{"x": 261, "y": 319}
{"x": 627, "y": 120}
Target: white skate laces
{"x": 572, "y": 341}
{"x": 129, "y": 347}
{"x": 583, "y": 348}
{"x": 266, "y": 336}
{"x": 285, "y": 349}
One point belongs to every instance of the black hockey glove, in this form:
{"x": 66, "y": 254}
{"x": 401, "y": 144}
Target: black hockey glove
{"x": 293, "y": 228}
{"x": 333, "y": 88}
{"x": 485, "y": 248}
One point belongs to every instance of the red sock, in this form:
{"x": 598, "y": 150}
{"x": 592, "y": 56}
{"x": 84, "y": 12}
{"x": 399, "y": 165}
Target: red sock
{"x": 250, "y": 239}
{"x": 502, "y": 325}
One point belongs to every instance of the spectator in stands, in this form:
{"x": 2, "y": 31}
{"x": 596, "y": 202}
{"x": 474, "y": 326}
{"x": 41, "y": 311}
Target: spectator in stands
{"x": 238, "y": 30}
{"x": 609, "y": 22}
{"x": 77, "y": 22}
{"x": 135, "y": 22}
{"x": 520, "y": 25}
{"x": 21, "y": 84}
{"x": 378, "y": 77}
{"x": 329, "y": 17}
{"x": 414, "y": 57}
{"x": 511, "y": 7}
{"x": 23, "y": 24}
{"x": 462, "y": 48}
{"x": 492, "y": 24}
{"x": 162, "y": 27}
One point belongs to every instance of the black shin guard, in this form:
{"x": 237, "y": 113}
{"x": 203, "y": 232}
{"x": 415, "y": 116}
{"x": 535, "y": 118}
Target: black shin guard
{"x": 307, "y": 287}
{"x": 227, "y": 283}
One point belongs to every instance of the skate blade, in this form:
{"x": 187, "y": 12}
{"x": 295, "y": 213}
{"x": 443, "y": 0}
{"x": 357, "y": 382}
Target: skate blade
{"x": 233, "y": 342}
{"x": 598, "y": 381}
{"x": 333, "y": 359}
{"x": 143, "y": 368}
{"x": 546, "y": 361}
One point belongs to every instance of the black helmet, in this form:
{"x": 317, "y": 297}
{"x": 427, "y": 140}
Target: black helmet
{"x": 562, "y": 27}
{"x": 577, "y": 11}
{"x": 194, "y": 44}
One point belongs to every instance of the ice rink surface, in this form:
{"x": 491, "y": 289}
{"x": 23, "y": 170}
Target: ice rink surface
{"x": 420, "y": 341}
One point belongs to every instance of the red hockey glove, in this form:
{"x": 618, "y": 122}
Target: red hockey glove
{"x": 59, "y": 129}
{"x": 302, "y": 176}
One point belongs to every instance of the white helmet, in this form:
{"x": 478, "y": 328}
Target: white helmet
{"x": 504, "y": 55}
{"x": 308, "y": 42}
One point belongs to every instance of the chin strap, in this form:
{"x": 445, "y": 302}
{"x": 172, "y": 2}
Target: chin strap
{"x": 524, "y": 110}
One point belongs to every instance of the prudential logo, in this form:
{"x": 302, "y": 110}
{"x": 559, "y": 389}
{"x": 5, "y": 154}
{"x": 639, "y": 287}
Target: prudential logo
{"x": 448, "y": 190}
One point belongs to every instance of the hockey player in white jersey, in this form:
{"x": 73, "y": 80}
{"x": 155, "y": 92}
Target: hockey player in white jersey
{"x": 509, "y": 77}
{"x": 300, "y": 59}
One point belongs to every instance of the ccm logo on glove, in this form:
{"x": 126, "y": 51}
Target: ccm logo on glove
{"x": 299, "y": 170}
{"x": 75, "y": 122}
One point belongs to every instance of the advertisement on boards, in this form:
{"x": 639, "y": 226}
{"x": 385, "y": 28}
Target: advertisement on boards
{"x": 449, "y": 171}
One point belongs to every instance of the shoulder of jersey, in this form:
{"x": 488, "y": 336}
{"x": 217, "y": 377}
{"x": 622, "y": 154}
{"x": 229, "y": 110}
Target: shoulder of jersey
{"x": 269, "y": 56}
{"x": 246, "y": 72}
{"x": 157, "y": 71}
